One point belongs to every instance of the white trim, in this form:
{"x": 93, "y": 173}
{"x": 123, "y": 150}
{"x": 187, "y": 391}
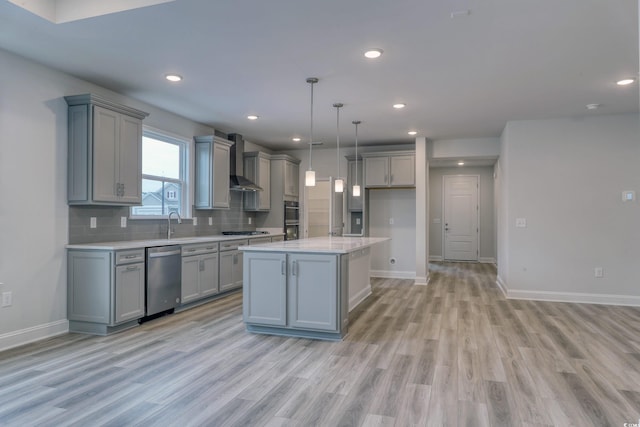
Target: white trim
{"x": 486, "y": 260}
{"x": 34, "y": 333}
{"x": 575, "y": 297}
{"x": 355, "y": 300}
{"x": 502, "y": 285}
{"x": 422, "y": 281}
{"x": 389, "y": 274}
{"x": 436, "y": 258}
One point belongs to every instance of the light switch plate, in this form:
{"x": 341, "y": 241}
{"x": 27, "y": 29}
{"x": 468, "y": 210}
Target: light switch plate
{"x": 521, "y": 222}
{"x": 93, "y": 222}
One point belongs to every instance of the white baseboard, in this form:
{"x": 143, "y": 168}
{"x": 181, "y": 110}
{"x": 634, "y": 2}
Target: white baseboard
{"x": 502, "y": 285}
{"x": 436, "y": 258}
{"x": 355, "y": 300}
{"x": 34, "y": 333}
{"x": 576, "y": 297}
{"x": 422, "y": 281}
{"x": 388, "y": 274}
{"x": 572, "y": 297}
{"x": 486, "y": 260}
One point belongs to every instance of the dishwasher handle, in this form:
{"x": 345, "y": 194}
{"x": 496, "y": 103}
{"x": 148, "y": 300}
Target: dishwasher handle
{"x": 163, "y": 254}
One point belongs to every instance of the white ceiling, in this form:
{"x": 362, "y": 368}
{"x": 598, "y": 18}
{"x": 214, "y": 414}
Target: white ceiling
{"x": 460, "y": 77}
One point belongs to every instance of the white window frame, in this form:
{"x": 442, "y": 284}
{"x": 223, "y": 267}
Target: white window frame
{"x": 183, "y": 181}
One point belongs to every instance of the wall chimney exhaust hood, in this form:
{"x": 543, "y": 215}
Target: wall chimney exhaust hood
{"x": 237, "y": 182}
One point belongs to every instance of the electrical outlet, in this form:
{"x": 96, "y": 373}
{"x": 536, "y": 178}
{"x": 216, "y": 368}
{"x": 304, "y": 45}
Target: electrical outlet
{"x": 357, "y": 221}
{"x": 7, "y": 299}
{"x": 123, "y": 222}
{"x": 210, "y": 221}
{"x": 521, "y": 222}
{"x": 391, "y": 221}
{"x": 93, "y": 222}
{"x": 249, "y": 220}
{"x": 195, "y": 221}
{"x": 598, "y": 272}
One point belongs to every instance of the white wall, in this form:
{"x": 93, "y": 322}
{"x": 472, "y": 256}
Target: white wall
{"x": 486, "y": 201}
{"x": 399, "y": 205}
{"x": 464, "y": 148}
{"x": 565, "y": 176}
{"x": 33, "y": 173}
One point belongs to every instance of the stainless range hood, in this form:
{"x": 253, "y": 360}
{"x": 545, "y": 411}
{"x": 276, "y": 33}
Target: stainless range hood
{"x": 237, "y": 182}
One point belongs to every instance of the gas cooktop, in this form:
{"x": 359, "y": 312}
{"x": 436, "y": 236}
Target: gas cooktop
{"x": 243, "y": 233}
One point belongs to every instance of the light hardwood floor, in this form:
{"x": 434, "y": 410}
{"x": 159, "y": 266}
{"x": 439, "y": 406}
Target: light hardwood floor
{"x": 455, "y": 352}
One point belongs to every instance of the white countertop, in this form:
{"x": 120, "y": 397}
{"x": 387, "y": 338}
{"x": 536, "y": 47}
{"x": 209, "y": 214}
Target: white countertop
{"x": 334, "y": 245}
{"x": 138, "y": 244}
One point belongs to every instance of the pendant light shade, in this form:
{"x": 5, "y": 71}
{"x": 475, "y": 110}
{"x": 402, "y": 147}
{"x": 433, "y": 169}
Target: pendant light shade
{"x": 310, "y": 175}
{"x": 339, "y": 183}
{"x": 356, "y": 187}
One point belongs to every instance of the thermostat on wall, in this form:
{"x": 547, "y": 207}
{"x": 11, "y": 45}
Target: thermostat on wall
{"x": 628, "y": 196}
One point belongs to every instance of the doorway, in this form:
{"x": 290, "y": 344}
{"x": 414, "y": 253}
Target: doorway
{"x": 460, "y": 217}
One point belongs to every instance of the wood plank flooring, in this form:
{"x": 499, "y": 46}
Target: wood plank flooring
{"x": 455, "y": 352}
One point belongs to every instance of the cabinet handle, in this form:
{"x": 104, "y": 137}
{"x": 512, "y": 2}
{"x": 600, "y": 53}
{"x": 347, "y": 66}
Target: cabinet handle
{"x": 133, "y": 267}
{"x": 294, "y": 268}
{"x": 391, "y": 179}
{"x": 209, "y": 248}
{"x": 190, "y": 250}
{"x": 131, "y": 256}
{"x": 283, "y": 267}
{"x": 386, "y": 179}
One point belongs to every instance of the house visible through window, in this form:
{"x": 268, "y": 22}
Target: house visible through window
{"x": 163, "y": 176}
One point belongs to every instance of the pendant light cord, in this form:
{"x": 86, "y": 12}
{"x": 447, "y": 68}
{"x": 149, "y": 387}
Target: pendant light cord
{"x": 356, "y": 123}
{"x": 338, "y": 140}
{"x": 311, "y": 127}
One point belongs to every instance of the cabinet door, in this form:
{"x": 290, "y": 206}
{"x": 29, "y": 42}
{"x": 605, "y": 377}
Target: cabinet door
{"x": 208, "y": 267}
{"x": 89, "y": 281}
{"x": 130, "y": 160}
{"x": 291, "y": 177}
{"x": 220, "y": 176}
{"x": 106, "y": 137}
{"x": 312, "y": 291}
{"x": 251, "y": 199}
{"x": 376, "y": 172}
{"x": 238, "y": 259}
{"x": 265, "y": 289}
{"x": 264, "y": 181}
{"x": 129, "y": 292}
{"x": 403, "y": 171}
{"x": 354, "y": 203}
{"x": 226, "y": 270}
{"x": 190, "y": 275}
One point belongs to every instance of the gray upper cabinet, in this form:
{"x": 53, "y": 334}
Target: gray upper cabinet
{"x": 257, "y": 168}
{"x": 396, "y": 169}
{"x": 212, "y": 172}
{"x": 291, "y": 178}
{"x": 105, "y": 152}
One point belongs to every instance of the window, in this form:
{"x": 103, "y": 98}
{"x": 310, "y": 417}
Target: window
{"x": 164, "y": 184}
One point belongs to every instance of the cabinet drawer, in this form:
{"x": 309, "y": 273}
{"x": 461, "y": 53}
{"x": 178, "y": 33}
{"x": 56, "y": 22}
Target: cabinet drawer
{"x": 199, "y": 248}
{"x": 129, "y": 256}
{"x": 232, "y": 245}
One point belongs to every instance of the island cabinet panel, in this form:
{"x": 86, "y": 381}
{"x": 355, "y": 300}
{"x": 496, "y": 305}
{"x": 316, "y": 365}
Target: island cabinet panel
{"x": 313, "y": 289}
{"x": 265, "y": 301}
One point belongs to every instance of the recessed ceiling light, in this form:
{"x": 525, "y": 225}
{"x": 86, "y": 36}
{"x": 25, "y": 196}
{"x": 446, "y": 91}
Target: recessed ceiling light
{"x": 593, "y": 106}
{"x": 296, "y": 139}
{"x": 460, "y": 163}
{"x": 373, "y": 53}
{"x": 625, "y": 82}
{"x": 173, "y": 77}
{"x": 252, "y": 117}
{"x": 399, "y": 106}
{"x": 412, "y": 132}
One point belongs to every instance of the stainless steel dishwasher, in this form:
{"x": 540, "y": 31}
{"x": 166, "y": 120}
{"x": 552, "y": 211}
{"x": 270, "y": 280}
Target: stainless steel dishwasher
{"x": 164, "y": 274}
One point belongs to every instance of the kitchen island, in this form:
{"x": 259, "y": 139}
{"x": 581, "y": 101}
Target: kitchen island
{"x": 306, "y": 288}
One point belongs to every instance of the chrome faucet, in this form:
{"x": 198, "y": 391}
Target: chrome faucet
{"x": 169, "y": 220}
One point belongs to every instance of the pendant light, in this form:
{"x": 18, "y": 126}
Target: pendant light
{"x": 356, "y": 187}
{"x": 310, "y": 175}
{"x": 339, "y": 183}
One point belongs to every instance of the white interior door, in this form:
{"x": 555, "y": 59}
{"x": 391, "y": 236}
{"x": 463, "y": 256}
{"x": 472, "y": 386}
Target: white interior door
{"x": 460, "y": 217}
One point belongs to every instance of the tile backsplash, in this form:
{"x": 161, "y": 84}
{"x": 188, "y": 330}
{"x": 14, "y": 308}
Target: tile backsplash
{"x": 108, "y": 223}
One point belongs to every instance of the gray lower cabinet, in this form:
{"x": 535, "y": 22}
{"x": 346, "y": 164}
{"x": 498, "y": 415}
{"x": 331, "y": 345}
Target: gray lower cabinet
{"x": 293, "y": 292}
{"x": 199, "y": 271}
{"x": 105, "y": 290}
{"x": 231, "y": 261}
